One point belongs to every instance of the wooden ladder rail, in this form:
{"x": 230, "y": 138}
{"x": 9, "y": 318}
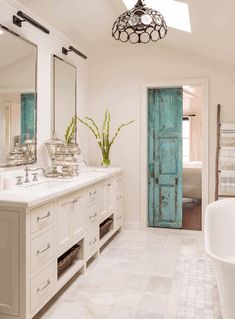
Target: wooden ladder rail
{"x": 217, "y": 152}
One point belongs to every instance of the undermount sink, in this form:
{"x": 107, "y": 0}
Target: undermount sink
{"x": 42, "y": 185}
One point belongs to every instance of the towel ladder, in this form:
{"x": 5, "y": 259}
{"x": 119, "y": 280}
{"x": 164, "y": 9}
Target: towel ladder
{"x": 217, "y": 161}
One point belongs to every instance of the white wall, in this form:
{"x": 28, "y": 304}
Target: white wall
{"x": 48, "y": 45}
{"x": 193, "y": 105}
{"x": 116, "y": 75}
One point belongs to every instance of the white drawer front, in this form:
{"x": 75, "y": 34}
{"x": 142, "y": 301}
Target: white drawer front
{"x": 92, "y": 242}
{"x": 118, "y": 220}
{"x": 92, "y": 216}
{"x": 42, "y": 216}
{"x": 42, "y": 249}
{"x": 92, "y": 195}
{"x": 42, "y": 285}
{"x": 118, "y": 181}
{"x": 119, "y": 199}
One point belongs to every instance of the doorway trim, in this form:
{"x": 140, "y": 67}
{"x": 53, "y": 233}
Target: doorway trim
{"x": 204, "y": 83}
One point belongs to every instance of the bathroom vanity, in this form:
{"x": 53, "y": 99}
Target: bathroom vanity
{"x": 40, "y": 222}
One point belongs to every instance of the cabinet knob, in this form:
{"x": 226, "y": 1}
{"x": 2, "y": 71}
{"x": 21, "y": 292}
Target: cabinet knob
{"x": 44, "y": 287}
{"x": 93, "y": 241}
{"x": 40, "y": 252}
{"x": 93, "y": 216}
{"x": 43, "y": 217}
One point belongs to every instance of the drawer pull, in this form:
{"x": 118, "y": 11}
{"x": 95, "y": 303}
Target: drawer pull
{"x": 119, "y": 197}
{"x": 93, "y": 193}
{"x": 109, "y": 185}
{"x": 93, "y": 242}
{"x": 93, "y": 216}
{"x": 44, "y": 287}
{"x": 74, "y": 201}
{"x": 44, "y": 217}
{"x": 39, "y": 252}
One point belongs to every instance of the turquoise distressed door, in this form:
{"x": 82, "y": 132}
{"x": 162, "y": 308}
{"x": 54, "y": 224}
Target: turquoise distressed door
{"x": 27, "y": 115}
{"x": 165, "y": 157}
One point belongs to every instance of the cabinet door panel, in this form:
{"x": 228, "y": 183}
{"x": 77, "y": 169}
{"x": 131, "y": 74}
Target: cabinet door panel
{"x": 78, "y": 207}
{"x": 110, "y": 197}
{"x": 65, "y": 231}
{"x": 9, "y": 256}
{"x": 103, "y": 201}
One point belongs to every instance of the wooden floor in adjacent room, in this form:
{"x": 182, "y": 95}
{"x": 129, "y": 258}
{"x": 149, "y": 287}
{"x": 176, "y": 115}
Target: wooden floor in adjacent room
{"x": 192, "y": 211}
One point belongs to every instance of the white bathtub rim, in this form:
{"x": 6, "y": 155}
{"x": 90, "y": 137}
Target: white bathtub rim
{"x": 206, "y": 239}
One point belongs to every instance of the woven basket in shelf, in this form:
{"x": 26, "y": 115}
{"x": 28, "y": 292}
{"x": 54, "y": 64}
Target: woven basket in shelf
{"x": 67, "y": 259}
{"x": 105, "y": 227}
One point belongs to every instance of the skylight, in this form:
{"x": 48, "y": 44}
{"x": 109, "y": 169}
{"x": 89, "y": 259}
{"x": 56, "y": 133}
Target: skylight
{"x": 175, "y": 13}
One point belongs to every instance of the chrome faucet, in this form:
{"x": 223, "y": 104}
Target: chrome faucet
{"x": 27, "y": 170}
{"x": 26, "y": 175}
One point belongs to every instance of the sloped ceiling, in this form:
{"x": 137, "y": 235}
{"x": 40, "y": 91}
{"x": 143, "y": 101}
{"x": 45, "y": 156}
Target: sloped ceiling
{"x": 89, "y": 23}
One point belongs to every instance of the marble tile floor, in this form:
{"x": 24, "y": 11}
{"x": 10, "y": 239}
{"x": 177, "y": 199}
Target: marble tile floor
{"x": 157, "y": 274}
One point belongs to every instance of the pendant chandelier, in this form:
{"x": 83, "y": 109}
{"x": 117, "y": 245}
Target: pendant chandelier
{"x": 139, "y": 25}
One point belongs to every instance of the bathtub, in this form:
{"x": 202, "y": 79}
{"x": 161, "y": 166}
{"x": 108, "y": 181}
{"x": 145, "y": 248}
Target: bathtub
{"x": 220, "y": 246}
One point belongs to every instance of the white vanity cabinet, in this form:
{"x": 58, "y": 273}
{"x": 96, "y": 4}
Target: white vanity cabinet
{"x": 33, "y": 237}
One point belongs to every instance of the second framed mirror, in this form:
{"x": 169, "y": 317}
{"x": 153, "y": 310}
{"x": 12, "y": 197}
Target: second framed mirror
{"x": 64, "y": 95}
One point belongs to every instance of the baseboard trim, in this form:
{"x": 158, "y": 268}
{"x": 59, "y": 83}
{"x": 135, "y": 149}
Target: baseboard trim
{"x": 133, "y": 226}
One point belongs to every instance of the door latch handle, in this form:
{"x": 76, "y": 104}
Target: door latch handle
{"x": 156, "y": 180}
{"x": 176, "y": 180}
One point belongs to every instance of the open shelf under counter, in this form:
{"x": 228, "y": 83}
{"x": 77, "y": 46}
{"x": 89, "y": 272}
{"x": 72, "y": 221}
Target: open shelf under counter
{"x": 70, "y": 272}
{"x": 107, "y": 237}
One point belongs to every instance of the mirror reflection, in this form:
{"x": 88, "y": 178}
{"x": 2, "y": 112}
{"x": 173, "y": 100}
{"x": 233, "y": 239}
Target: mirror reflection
{"x": 65, "y": 75}
{"x": 18, "y": 60}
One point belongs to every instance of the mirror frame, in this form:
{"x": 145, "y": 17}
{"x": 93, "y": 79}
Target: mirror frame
{"x": 35, "y": 91}
{"x": 54, "y": 57}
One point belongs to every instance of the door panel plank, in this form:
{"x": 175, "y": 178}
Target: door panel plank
{"x": 165, "y": 157}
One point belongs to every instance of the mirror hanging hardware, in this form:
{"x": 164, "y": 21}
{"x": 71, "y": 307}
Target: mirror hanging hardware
{"x": 74, "y": 50}
{"x": 25, "y": 18}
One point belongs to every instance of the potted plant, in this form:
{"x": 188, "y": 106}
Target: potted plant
{"x": 103, "y": 138}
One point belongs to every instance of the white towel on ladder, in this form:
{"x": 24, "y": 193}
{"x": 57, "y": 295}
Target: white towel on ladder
{"x": 227, "y": 134}
{"x": 227, "y": 180}
{"x": 227, "y": 158}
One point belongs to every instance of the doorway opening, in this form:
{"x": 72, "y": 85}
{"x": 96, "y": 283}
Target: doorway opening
{"x": 192, "y": 157}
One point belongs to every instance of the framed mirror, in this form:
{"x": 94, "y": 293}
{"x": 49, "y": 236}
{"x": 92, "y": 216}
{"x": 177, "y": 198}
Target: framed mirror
{"x": 64, "y": 95}
{"x": 18, "y": 99}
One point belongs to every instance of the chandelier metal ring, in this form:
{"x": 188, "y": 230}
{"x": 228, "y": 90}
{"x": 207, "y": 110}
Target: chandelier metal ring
{"x": 139, "y": 25}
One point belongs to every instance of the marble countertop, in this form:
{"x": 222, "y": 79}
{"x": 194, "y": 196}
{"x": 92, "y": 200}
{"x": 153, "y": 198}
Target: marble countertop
{"x": 35, "y": 193}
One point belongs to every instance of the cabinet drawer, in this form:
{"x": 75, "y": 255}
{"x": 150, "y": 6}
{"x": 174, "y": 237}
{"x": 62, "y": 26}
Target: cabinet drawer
{"x": 118, "y": 181}
{"x": 42, "y": 249}
{"x": 118, "y": 220}
{"x": 42, "y": 285}
{"x": 92, "y": 242}
{"x": 118, "y": 199}
{"x": 92, "y": 216}
{"x": 92, "y": 195}
{"x": 42, "y": 216}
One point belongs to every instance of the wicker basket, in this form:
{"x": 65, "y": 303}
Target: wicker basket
{"x": 105, "y": 227}
{"x": 67, "y": 259}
